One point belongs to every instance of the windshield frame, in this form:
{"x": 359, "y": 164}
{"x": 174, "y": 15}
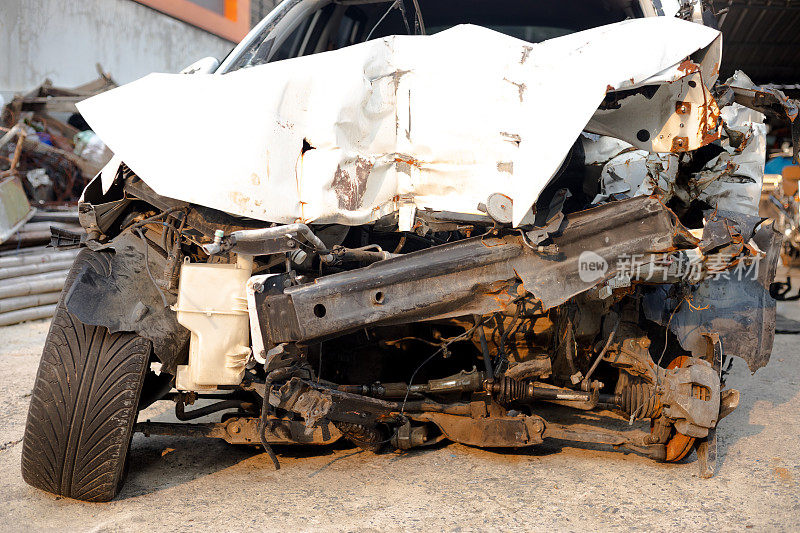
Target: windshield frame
{"x": 290, "y": 13}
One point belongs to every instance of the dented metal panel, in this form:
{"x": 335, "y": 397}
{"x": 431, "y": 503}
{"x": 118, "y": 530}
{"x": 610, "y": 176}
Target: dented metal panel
{"x": 472, "y": 276}
{"x": 352, "y": 135}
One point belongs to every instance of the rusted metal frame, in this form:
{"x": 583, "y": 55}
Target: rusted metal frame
{"x": 244, "y": 430}
{"x": 633, "y": 440}
{"x": 473, "y": 276}
{"x": 493, "y": 431}
{"x": 298, "y": 395}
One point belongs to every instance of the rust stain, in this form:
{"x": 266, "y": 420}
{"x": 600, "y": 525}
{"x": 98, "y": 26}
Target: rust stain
{"x": 526, "y": 51}
{"x": 239, "y": 199}
{"x": 512, "y": 137}
{"x": 350, "y": 189}
{"x": 709, "y": 118}
{"x": 505, "y": 166}
{"x": 688, "y": 66}
{"x": 408, "y": 160}
{"x": 680, "y": 144}
{"x": 521, "y": 87}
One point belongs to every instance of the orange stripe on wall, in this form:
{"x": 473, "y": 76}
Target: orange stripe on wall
{"x": 230, "y": 9}
{"x": 233, "y": 26}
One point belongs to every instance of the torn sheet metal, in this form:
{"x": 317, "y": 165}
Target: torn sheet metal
{"x": 732, "y": 180}
{"x": 735, "y": 305}
{"x": 768, "y": 100}
{"x": 729, "y": 181}
{"x": 348, "y": 136}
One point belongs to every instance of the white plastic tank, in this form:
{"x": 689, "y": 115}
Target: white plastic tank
{"x": 212, "y": 304}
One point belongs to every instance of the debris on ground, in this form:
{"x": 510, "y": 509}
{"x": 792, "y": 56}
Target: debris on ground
{"x": 47, "y": 156}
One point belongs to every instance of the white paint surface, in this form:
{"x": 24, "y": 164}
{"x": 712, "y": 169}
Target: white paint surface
{"x": 439, "y": 121}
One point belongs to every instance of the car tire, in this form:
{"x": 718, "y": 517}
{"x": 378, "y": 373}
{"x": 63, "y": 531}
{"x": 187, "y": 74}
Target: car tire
{"x": 83, "y": 406}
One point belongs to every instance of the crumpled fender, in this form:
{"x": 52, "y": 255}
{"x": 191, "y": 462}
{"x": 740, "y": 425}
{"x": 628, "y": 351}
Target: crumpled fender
{"x": 408, "y": 122}
{"x": 112, "y": 289}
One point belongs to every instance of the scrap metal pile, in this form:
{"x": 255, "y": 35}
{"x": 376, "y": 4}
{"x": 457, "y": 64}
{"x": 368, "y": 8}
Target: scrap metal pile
{"x": 47, "y": 156}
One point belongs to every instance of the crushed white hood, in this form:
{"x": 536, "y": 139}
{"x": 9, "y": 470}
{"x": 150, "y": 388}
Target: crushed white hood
{"x": 349, "y": 136}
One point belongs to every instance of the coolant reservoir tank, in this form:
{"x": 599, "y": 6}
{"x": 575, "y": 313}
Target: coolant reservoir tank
{"x": 212, "y": 305}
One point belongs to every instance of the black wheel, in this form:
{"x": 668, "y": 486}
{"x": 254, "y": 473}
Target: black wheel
{"x": 83, "y": 406}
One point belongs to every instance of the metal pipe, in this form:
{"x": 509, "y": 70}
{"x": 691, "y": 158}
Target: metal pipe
{"x": 487, "y": 362}
{"x": 8, "y": 282}
{"x": 64, "y": 217}
{"x": 27, "y": 237}
{"x": 29, "y": 251}
{"x": 33, "y": 287}
{"x": 45, "y": 225}
{"x": 31, "y": 259}
{"x": 275, "y": 232}
{"x": 567, "y": 395}
{"x": 23, "y": 315}
{"x": 36, "y": 268}
{"x": 25, "y": 302}
{"x": 602, "y": 353}
{"x": 206, "y": 410}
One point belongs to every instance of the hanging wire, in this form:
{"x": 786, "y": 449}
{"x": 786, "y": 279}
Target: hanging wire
{"x": 394, "y": 4}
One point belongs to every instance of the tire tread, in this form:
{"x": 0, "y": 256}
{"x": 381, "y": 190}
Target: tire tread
{"x": 83, "y": 406}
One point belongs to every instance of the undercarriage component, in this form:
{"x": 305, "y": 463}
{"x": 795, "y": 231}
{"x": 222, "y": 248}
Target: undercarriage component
{"x": 368, "y": 438}
{"x": 691, "y": 396}
{"x": 639, "y": 400}
{"x": 509, "y": 390}
{"x": 633, "y": 440}
{"x": 245, "y": 431}
{"x": 679, "y": 445}
{"x": 182, "y": 414}
{"x": 462, "y": 382}
{"x": 497, "y": 431}
{"x": 314, "y": 402}
{"x": 480, "y": 275}
{"x": 408, "y": 436}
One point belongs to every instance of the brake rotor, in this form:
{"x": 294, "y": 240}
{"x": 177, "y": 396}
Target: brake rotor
{"x": 679, "y": 445}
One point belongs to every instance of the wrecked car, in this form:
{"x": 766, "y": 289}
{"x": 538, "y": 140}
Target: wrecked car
{"x": 398, "y": 223}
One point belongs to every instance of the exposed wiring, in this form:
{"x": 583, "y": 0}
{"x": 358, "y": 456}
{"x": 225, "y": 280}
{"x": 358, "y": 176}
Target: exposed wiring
{"x": 443, "y": 347}
{"x": 394, "y": 4}
{"x": 147, "y": 267}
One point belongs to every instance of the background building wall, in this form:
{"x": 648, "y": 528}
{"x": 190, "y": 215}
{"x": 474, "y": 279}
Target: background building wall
{"x": 64, "y": 39}
{"x": 260, "y": 8}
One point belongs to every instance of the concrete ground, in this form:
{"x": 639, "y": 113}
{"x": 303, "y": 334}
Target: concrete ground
{"x": 206, "y": 485}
